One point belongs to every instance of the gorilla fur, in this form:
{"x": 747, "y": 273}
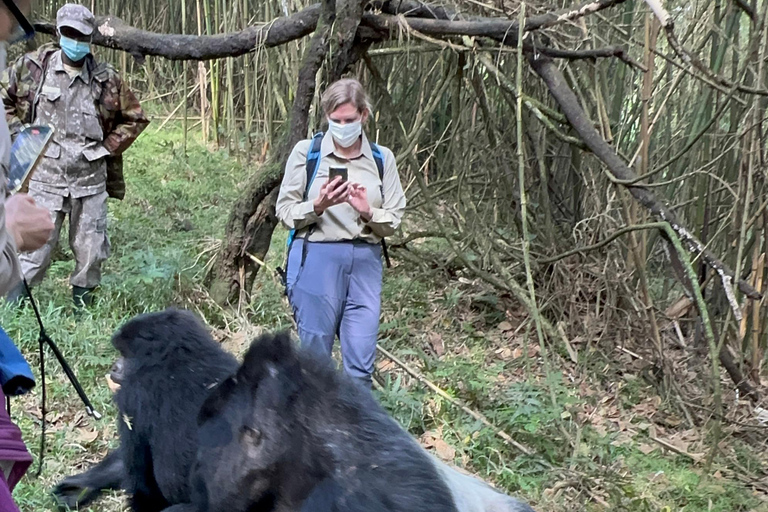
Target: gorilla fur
{"x": 169, "y": 364}
{"x": 473, "y": 495}
{"x": 285, "y": 432}
{"x": 290, "y": 432}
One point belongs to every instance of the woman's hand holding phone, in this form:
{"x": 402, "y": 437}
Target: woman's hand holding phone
{"x": 334, "y": 191}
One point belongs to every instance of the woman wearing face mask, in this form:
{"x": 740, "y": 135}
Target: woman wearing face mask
{"x": 334, "y": 269}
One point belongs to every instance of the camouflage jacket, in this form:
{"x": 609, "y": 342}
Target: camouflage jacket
{"x": 120, "y": 114}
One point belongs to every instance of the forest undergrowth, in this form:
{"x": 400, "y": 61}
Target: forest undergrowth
{"x": 600, "y": 430}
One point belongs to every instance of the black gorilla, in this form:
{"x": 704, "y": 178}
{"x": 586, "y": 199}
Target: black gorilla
{"x": 284, "y": 432}
{"x": 168, "y": 365}
{"x": 289, "y": 432}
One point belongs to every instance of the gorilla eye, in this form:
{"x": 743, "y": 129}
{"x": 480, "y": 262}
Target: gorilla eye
{"x": 250, "y": 435}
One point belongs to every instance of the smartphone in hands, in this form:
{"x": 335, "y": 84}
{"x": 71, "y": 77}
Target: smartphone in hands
{"x": 337, "y": 171}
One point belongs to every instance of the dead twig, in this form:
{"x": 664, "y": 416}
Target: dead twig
{"x": 455, "y": 401}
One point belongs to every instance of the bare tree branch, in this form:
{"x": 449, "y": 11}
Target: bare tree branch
{"x": 569, "y": 104}
{"x": 115, "y": 33}
{"x": 501, "y": 30}
{"x": 596, "y": 53}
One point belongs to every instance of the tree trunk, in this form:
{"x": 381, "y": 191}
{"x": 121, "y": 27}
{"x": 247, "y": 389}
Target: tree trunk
{"x": 252, "y": 220}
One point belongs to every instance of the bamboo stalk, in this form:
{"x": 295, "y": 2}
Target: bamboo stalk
{"x": 247, "y": 60}
{"x": 202, "y": 80}
{"x": 534, "y": 308}
{"x": 185, "y": 123}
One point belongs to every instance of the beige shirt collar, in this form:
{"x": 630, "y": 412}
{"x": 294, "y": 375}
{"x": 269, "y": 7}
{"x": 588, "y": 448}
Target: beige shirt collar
{"x": 57, "y": 64}
{"x": 327, "y": 147}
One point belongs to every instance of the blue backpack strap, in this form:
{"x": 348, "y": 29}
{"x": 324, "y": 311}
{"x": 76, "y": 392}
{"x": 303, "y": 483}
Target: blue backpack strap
{"x": 311, "y": 167}
{"x": 313, "y": 161}
{"x": 378, "y": 157}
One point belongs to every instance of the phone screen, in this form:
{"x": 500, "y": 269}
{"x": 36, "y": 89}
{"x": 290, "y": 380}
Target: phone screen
{"x": 25, "y": 153}
{"x": 337, "y": 171}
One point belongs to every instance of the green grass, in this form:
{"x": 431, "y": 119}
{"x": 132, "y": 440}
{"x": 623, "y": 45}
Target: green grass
{"x": 157, "y": 261}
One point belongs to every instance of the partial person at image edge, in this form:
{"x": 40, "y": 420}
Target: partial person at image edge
{"x": 23, "y": 227}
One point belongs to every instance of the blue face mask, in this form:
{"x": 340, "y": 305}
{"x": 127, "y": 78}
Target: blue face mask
{"x": 75, "y": 50}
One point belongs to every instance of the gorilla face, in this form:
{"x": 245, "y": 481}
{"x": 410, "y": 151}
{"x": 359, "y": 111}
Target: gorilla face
{"x": 117, "y": 373}
{"x": 250, "y": 420}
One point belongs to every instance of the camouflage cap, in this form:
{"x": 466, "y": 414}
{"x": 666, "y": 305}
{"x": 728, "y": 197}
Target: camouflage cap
{"x": 77, "y": 17}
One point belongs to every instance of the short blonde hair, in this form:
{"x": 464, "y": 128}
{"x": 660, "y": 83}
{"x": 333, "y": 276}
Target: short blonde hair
{"x": 346, "y": 90}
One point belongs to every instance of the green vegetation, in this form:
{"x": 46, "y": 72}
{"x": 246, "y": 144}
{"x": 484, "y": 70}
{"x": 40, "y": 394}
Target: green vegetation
{"x": 452, "y": 331}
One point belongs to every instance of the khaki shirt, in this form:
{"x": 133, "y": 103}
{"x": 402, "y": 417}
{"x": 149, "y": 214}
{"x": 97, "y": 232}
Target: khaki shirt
{"x": 10, "y": 268}
{"x": 341, "y": 222}
{"x": 73, "y": 163}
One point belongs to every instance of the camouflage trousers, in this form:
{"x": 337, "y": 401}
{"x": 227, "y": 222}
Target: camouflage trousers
{"x": 87, "y": 237}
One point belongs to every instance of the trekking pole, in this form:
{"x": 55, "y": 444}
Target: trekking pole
{"x": 42, "y": 340}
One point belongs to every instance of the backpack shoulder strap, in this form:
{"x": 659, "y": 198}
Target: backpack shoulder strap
{"x": 378, "y": 157}
{"x": 313, "y": 161}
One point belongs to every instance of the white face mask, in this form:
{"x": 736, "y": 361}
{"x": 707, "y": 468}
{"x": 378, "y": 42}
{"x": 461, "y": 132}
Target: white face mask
{"x": 345, "y": 134}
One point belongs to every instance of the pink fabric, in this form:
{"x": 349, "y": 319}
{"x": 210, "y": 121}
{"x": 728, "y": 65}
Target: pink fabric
{"x": 12, "y": 448}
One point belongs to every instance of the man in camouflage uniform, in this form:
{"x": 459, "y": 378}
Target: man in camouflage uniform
{"x": 96, "y": 118}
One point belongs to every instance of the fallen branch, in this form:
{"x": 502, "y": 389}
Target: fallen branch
{"x": 669, "y": 446}
{"x": 455, "y": 401}
{"x": 112, "y": 32}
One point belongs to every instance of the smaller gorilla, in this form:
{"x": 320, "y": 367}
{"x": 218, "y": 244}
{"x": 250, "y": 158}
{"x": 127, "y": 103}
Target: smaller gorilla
{"x": 288, "y": 432}
{"x": 168, "y": 365}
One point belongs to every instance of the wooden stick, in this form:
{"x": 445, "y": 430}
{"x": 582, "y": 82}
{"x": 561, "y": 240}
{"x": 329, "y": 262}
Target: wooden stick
{"x": 455, "y": 401}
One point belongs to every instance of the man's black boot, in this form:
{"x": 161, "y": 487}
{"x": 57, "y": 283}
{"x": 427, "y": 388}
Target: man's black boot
{"x": 82, "y": 297}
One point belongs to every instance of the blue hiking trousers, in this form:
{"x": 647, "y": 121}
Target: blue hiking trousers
{"x": 337, "y": 291}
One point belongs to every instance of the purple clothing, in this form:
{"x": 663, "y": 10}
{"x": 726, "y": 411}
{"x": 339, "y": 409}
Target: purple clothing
{"x": 12, "y": 448}
{"x": 6, "y": 500}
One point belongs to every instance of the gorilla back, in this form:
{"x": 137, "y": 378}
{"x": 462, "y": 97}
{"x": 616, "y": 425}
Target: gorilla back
{"x": 289, "y": 432}
{"x": 170, "y": 362}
